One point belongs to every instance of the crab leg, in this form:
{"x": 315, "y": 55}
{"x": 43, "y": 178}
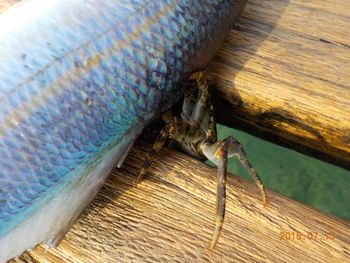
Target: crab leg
{"x": 222, "y": 156}
{"x": 237, "y": 150}
{"x": 201, "y": 106}
{"x": 201, "y": 111}
{"x": 218, "y": 153}
{"x": 157, "y": 146}
{"x": 190, "y": 97}
{"x": 195, "y": 132}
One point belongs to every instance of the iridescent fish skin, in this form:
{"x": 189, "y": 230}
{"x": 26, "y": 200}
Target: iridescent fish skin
{"x": 79, "y": 79}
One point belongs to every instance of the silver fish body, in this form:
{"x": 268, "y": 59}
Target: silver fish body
{"x": 79, "y": 79}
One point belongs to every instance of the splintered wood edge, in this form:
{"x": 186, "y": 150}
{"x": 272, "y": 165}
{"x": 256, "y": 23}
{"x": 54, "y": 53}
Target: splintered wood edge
{"x": 169, "y": 217}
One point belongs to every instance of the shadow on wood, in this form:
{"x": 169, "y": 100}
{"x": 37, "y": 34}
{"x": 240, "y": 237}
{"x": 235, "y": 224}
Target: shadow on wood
{"x": 283, "y": 74}
{"x": 276, "y": 77}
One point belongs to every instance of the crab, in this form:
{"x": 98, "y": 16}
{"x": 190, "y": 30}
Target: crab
{"x": 195, "y": 133}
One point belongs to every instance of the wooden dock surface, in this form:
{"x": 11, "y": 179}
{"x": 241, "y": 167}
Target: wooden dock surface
{"x": 169, "y": 217}
{"x": 283, "y": 72}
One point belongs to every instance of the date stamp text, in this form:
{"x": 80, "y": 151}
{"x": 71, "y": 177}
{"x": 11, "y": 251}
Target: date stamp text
{"x": 312, "y": 235}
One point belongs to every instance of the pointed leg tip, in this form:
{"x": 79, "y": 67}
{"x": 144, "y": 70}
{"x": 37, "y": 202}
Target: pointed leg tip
{"x": 216, "y": 234}
{"x": 212, "y": 245}
{"x": 136, "y": 183}
{"x": 142, "y": 173}
{"x": 265, "y": 203}
{"x": 139, "y": 178}
{"x": 265, "y": 198}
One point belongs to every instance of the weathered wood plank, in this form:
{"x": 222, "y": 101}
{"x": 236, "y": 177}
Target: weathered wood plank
{"x": 279, "y": 90}
{"x": 169, "y": 217}
{"x": 284, "y": 73}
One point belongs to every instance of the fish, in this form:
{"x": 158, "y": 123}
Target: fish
{"x": 79, "y": 80}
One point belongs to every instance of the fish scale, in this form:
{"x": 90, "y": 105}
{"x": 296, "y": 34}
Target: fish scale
{"x": 79, "y": 79}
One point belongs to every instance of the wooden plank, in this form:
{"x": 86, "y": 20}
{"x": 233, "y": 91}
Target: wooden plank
{"x": 284, "y": 73}
{"x": 169, "y": 217}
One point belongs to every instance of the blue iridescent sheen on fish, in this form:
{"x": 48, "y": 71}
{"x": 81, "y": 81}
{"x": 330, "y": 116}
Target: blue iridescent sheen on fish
{"x": 79, "y": 79}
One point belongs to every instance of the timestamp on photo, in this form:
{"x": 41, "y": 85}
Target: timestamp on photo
{"x": 311, "y": 235}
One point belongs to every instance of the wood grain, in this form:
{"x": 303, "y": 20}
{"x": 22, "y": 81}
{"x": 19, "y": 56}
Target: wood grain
{"x": 284, "y": 74}
{"x": 169, "y": 217}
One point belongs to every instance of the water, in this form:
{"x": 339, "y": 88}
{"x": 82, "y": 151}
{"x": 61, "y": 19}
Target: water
{"x": 303, "y": 178}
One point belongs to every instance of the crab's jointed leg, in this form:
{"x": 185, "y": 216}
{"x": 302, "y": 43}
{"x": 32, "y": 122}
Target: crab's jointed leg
{"x": 237, "y": 150}
{"x": 200, "y": 108}
{"x": 195, "y": 133}
{"x": 218, "y": 153}
{"x": 157, "y": 146}
{"x": 222, "y": 156}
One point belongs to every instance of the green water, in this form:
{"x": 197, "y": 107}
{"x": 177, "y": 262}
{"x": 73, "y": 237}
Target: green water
{"x": 303, "y": 178}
